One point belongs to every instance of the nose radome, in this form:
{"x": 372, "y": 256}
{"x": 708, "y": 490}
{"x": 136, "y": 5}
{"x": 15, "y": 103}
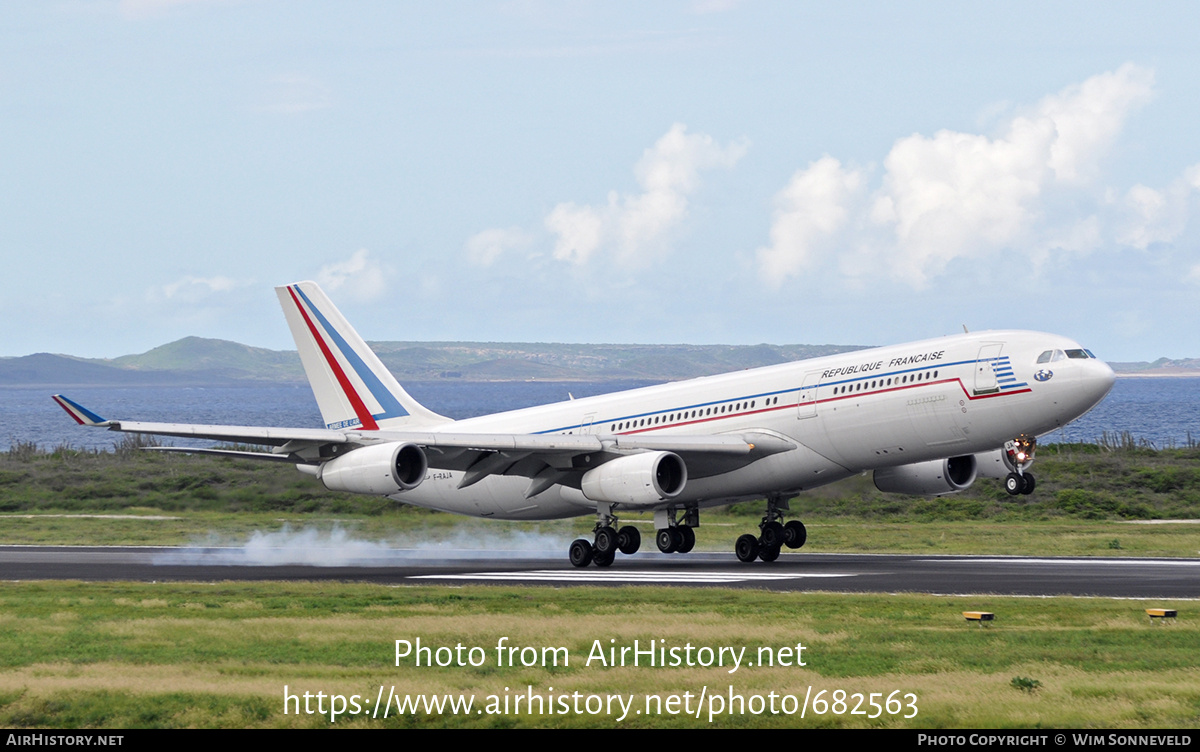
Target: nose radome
{"x": 1097, "y": 379}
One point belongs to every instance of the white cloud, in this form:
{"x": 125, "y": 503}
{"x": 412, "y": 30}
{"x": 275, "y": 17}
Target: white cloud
{"x": 635, "y": 228}
{"x": 1154, "y": 216}
{"x": 714, "y": 6}
{"x": 139, "y": 9}
{"x": 485, "y": 247}
{"x": 580, "y": 230}
{"x": 359, "y": 275}
{"x": 808, "y": 212}
{"x": 191, "y": 289}
{"x": 295, "y": 94}
{"x": 1088, "y": 117}
{"x": 959, "y": 195}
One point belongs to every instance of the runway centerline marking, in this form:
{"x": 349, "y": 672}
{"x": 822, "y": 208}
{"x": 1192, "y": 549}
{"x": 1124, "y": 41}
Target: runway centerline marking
{"x": 551, "y": 575}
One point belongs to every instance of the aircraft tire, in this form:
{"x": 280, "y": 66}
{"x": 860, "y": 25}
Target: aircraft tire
{"x": 1013, "y": 484}
{"x": 604, "y": 560}
{"x": 746, "y": 548}
{"x": 665, "y": 540}
{"x": 606, "y": 540}
{"x": 1029, "y": 484}
{"x": 689, "y": 540}
{"x": 768, "y": 553}
{"x": 629, "y": 540}
{"x": 580, "y": 553}
{"x": 795, "y": 534}
{"x": 772, "y": 535}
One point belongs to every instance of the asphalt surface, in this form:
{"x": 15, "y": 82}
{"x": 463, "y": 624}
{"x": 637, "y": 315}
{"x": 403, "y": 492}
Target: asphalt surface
{"x": 1107, "y": 577}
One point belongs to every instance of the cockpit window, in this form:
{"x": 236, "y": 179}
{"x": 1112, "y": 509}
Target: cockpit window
{"x": 1053, "y": 356}
{"x": 1090, "y": 353}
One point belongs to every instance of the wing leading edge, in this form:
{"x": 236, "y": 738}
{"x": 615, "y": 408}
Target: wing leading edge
{"x": 477, "y": 455}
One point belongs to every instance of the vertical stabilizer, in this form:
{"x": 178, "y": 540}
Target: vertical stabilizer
{"x": 352, "y": 387}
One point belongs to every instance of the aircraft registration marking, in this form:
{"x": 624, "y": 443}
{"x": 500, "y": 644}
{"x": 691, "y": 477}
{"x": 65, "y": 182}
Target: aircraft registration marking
{"x": 594, "y": 575}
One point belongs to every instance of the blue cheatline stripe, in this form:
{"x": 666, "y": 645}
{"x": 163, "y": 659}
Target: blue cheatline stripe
{"x": 791, "y": 390}
{"x": 391, "y": 406}
{"x": 82, "y": 410}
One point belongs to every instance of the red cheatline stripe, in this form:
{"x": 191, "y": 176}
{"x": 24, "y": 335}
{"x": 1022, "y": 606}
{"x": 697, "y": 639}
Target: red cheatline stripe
{"x": 794, "y": 406}
{"x": 365, "y": 418}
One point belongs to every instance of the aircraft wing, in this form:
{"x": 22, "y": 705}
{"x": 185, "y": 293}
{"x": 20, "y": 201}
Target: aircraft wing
{"x": 479, "y": 455}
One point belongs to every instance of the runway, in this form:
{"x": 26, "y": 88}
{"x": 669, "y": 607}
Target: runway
{"x": 860, "y": 573}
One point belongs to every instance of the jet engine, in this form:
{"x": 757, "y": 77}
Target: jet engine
{"x": 932, "y": 478}
{"x": 380, "y": 469}
{"x": 638, "y": 479}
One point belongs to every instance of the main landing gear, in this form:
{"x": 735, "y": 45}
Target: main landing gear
{"x": 1019, "y": 456}
{"x": 675, "y": 534}
{"x": 607, "y": 541}
{"x": 774, "y": 534}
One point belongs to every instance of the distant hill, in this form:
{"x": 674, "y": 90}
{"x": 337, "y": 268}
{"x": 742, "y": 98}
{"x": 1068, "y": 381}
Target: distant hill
{"x": 219, "y": 358}
{"x": 1160, "y": 367}
{"x": 195, "y": 361}
{"x": 198, "y": 361}
{"x": 505, "y": 361}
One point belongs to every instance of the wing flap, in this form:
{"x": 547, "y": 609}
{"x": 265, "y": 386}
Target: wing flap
{"x": 240, "y": 434}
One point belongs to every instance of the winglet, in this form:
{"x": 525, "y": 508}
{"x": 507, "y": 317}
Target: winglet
{"x": 81, "y": 414}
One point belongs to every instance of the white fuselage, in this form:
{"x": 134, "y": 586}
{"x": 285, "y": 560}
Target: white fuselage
{"x": 847, "y": 413}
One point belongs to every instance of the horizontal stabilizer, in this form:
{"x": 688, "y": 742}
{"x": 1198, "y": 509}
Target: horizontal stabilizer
{"x": 81, "y": 414}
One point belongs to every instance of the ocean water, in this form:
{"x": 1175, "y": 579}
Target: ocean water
{"x": 1161, "y": 411}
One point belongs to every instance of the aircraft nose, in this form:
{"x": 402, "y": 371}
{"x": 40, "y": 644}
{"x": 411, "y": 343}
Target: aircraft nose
{"x": 1097, "y": 379}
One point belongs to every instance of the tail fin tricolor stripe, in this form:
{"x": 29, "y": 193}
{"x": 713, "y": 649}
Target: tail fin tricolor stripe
{"x": 391, "y": 406}
{"x": 352, "y": 386}
{"x": 81, "y": 414}
{"x": 365, "y": 418}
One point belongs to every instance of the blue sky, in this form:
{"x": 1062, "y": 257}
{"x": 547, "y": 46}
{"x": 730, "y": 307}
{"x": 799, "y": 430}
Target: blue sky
{"x": 702, "y": 171}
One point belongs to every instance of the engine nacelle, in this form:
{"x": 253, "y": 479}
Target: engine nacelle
{"x": 640, "y": 479}
{"x": 932, "y": 478}
{"x": 380, "y": 469}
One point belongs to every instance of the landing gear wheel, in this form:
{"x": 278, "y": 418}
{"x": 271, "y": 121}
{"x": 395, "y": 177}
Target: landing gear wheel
{"x": 603, "y": 560}
{"x": 666, "y": 540}
{"x": 1027, "y": 487}
{"x": 580, "y": 553}
{"x": 772, "y": 535}
{"x": 606, "y": 540}
{"x": 768, "y": 553}
{"x": 746, "y": 548}
{"x": 1013, "y": 483}
{"x": 629, "y": 540}
{"x": 689, "y": 540}
{"x": 794, "y": 534}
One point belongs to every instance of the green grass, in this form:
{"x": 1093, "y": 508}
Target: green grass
{"x": 114, "y": 655}
{"x": 1088, "y": 500}
{"x": 179, "y": 655}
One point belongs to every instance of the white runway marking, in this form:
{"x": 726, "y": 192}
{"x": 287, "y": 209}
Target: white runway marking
{"x": 1091, "y": 562}
{"x": 596, "y": 575}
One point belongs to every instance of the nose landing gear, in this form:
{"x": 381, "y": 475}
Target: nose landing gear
{"x": 1018, "y": 455}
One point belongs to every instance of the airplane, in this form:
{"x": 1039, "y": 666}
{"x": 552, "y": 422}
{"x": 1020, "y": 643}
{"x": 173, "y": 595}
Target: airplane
{"x": 925, "y": 417}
